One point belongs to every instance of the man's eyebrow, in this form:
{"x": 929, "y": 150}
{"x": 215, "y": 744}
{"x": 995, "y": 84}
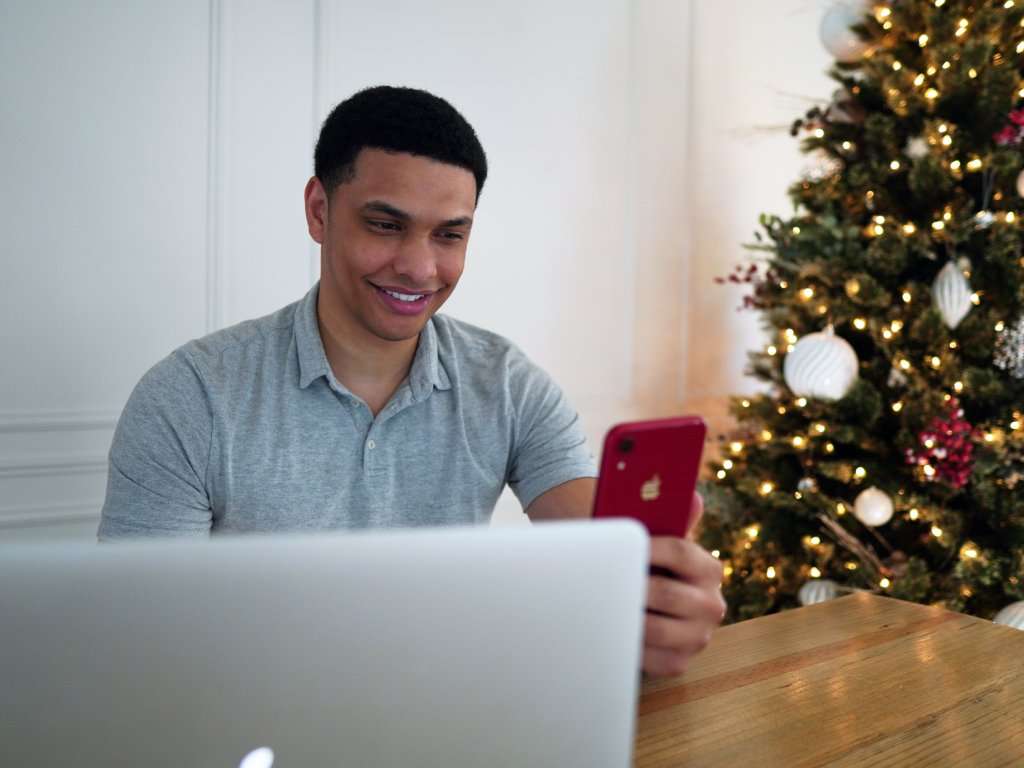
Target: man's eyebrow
{"x": 381, "y": 207}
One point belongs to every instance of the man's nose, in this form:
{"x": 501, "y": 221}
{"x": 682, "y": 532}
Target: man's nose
{"x": 416, "y": 260}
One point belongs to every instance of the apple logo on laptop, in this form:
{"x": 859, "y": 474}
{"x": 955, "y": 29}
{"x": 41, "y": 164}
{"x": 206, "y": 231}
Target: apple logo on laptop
{"x": 651, "y": 490}
{"x": 258, "y": 758}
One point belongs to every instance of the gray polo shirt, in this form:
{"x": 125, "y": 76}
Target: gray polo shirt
{"x": 248, "y": 429}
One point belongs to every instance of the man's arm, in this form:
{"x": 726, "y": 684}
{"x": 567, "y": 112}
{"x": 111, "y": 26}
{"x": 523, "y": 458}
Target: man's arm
{"x": 156, "y": 484}
{"x": 568, "y": 501}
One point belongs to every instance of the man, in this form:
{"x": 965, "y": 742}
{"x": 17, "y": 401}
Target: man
{"x": 358, "y": 406}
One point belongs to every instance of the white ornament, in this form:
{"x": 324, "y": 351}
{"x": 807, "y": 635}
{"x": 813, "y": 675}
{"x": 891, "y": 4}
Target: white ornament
{"x": 821, "y": 365}
{"x": 817, "y": 591}
{"x": 1012, "y": 616}
{"x": 1020, "y": 184}
{"x": 837, "y": 37}
{"x": 916, "y": 148}
{"x": 984, "y": 219}
{"x": 873, "y": 507}
{"x": 952, "y": 295}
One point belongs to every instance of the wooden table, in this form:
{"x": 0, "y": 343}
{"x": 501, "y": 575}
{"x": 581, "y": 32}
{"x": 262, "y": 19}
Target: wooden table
{"x": 858, "y": 681}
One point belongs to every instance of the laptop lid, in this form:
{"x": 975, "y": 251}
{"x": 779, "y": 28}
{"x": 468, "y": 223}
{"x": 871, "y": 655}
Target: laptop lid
{"x": 431, "y": 647}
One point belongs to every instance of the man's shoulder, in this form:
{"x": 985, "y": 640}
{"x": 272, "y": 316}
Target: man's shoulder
{"x": 473, "y": 344}
{"x": 242, "y": 343}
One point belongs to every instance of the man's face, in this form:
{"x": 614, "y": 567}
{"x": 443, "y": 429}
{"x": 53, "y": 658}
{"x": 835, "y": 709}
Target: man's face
{"x": 393, "y": 241}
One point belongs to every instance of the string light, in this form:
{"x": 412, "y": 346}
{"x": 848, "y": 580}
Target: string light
{"x": 1000, "y": 326}
{"x": 931, "y": 94}
{"x": 736, "y": 447}
{"x": 802, "y": 402}
{"x": 909, "y": 228}
{"x": 807, "y": 294}
{"x": 830, "y": 448}
{"x": 958, "y": 387}
{"x": 947, "y": 140}
{"x": 715, "y": 553}
{"x": 936, "y": 362}
{"x": 886, "y": 334}
{"x": 860, "y": 473}
{"x": 905, "y": 364}
{"x": 976, "y": 298}
{"x": 922, "y": 40}
{"x": 815, "y": 540}
{"x": 770, "y": 573}
{"x": 929, "y": 471}
{"x": 781, "y": 410}
{"x": 972, "y": 73}
{"x": 766, "y": 435}
{"x": 721, "y": 474}
{"x": 799, "y": 442}
{"x": 897, "y": 407}
{"x": 815, "y": 573}
{"x": 820, "y": 428}
{"x": 884, "y": 583}
{"x": 936, "y": 532}
{"x": 975, "y": 164}
{"x": 938, "y": 225}
{"x": 752, "y": 532}
{"x": 914, "y": 514}
{"x": 819, "y": 133}
{"x": 969, "y": 551}
{"x": 772, "y": 351}
{"x": 895, "y": 165}
{"x": 907, "y": 298}
{"x": 727, "y": 464}
{"x": 851, "y": 566}
{"x": 860, "y": 323}
{"x": 897, "y": 66}
{"x": 840, "y": 509}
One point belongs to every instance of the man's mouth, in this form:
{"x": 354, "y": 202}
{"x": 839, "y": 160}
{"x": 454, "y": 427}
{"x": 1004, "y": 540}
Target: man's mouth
{"x": 402, "y": 300}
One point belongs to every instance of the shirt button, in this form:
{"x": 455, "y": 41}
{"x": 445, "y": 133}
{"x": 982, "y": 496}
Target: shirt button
{"x": 370, "y": 444}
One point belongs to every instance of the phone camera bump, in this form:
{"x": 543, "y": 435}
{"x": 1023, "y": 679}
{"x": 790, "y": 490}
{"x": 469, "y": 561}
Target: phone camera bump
{"x": 626, "y": 444}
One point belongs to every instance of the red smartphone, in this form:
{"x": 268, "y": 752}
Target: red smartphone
{"x": 649, "y": 473}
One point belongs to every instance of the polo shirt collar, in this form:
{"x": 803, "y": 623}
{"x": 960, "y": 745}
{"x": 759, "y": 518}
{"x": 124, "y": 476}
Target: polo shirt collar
{"x": 427, "y": 372}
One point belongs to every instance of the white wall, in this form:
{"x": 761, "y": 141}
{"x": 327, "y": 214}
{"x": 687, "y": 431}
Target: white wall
{"x": 756, "y": 67}
{"x": 157, "y": 156}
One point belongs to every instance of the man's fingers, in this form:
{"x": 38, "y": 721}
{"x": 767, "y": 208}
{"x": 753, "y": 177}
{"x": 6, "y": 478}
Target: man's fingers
{"x": 659, "y": 662}
{"x": 687, "y": 637}
{"x": 679, "y": 599}
{"x": 696, "y": 513}
{"x": 687, "y": 560}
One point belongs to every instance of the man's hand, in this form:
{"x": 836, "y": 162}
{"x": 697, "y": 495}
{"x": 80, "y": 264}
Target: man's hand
{"x": 682, "y": 612}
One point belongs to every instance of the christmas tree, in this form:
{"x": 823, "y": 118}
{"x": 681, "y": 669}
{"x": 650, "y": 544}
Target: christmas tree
{"x": 887, "y": 452}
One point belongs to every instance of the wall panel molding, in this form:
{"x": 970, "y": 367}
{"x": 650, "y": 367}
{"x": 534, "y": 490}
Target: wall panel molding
{"x": 49, "y": 514}
{"x": 56, "y": 421}
{"x": 47, "y": 466}
{"x": 215, "y": 190}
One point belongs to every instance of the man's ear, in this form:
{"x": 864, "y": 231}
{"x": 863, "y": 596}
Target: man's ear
{"x": 316, "y": 209}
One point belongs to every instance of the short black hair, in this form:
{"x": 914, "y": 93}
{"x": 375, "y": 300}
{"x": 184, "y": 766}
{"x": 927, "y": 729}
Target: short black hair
{"x": 395, "y": 119}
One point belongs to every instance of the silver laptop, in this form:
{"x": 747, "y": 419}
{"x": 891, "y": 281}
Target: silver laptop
{"x": 440, "y": 647}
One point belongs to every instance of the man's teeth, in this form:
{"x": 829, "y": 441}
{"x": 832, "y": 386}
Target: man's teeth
{"x": 404, "y": 296}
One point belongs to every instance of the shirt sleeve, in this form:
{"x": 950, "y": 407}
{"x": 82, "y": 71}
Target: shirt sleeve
{"x": 156, "y": 482}
{"x": 549, "y": 446}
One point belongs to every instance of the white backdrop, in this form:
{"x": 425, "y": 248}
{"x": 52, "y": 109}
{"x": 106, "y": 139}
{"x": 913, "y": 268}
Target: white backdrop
{"x": 155, "y": 156}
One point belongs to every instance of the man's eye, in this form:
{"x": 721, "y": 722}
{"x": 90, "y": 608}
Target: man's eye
{"x": 384, "y": 226}
{"x": 451, "y": 236}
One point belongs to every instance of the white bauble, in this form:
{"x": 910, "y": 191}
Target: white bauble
{"x": 1020, "y": 184}
{"x": 837, "y": 37}
{"x": 1012, "y": 616}
{"x": 952, "y": 294}
{"x": 817, "y": 591}
{"x": 821, "y": 365}
{"x": 916, "y": 148}
{"x": 873, "y": 507}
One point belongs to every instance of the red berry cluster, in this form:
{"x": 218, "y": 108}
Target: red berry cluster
{"x": 1013, "y": 133}
{"x": 947, "y": 446}
{"x": 751, "y": 275}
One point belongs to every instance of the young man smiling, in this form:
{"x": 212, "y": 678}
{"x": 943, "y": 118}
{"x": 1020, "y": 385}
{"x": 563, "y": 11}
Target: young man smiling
{"x": 358, "y": 406}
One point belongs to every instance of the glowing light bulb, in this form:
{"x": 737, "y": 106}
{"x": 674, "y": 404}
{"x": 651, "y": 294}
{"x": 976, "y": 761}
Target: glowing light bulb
{"x": 914, "y": 514}
{"x": 884, "y": 583}
{"x": 815, "y": 573}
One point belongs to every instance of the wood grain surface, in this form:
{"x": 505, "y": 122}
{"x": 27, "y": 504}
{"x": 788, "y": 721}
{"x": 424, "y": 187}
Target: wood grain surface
{"x": 857, "y": 681}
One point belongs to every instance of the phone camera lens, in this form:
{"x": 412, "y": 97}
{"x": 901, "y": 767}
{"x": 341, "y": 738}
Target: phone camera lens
{"x": 626, "y": 444}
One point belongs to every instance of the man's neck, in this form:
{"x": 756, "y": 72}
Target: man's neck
{"x": 370, "y": 367}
